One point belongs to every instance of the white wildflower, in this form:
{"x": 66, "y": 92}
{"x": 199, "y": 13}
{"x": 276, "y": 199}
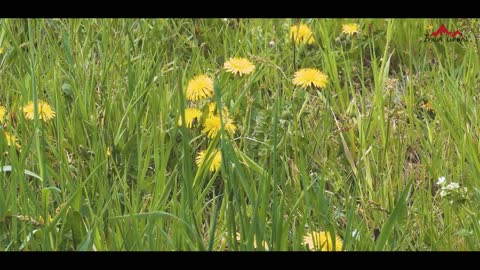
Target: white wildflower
{"x": 441, "y": 180}
{"x": 356, "y": 234}
{"x": 452, "y": 186}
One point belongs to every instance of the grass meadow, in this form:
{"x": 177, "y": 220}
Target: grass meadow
{"x": 239, "y": 135}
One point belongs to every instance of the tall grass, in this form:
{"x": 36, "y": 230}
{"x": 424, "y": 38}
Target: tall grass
{"x": 359, "y": 159}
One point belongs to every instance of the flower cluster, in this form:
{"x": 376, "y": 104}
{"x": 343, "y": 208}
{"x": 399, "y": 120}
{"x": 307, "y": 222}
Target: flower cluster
{"x": 452, "y": 191}
{"x": 45, "y": 113}
{"x": 202, "y": 110}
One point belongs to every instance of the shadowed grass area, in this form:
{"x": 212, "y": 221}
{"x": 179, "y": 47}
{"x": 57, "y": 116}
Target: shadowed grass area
{"x": 358, "y": 157}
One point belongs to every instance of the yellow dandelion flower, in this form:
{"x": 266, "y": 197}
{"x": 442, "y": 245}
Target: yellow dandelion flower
{"x": 212, "y": 108}
{"x": 302, "y": 33}
{"x": 11, "y": 139}
{"x": 351, "y": 28}
{"x": 199, "y": 87}
{"x": 108, "y": 151}
{"x": 322, "y": 241}
{"x": 215, "y": 162}
{"x": 3, "y": 112}
{"x": 192, "y": 115}
{"x": 429, "y": 27}
{"x": 2, "y": 50}
{"x": 310, "y": 76}
{"x": 239, "y": 65}
{"x": 213, "y": 125}
{"x": 45, "y": 112}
